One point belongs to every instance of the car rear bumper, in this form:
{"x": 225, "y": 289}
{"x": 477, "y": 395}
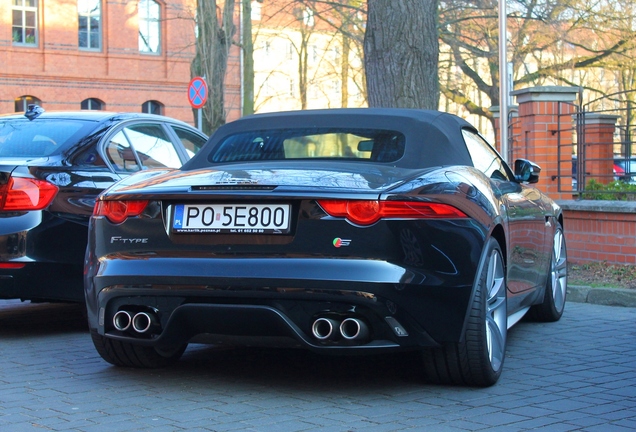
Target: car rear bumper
{"x": 268, "y": 301}
{"x": 43, "y": 282}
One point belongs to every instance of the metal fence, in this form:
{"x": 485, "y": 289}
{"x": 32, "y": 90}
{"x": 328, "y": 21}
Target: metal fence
{"x": 602, "y": 149}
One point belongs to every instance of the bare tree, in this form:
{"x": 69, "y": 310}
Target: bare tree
{"x": 215, "y": 25}
{"x": 248, "y": 58}
{"x": 548, "y": 42}
{"x": 347, "y": 18}
{"x": 401, "y": 49}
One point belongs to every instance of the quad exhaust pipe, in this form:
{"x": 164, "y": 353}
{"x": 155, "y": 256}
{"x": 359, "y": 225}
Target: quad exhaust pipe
{"x": 354, "y": 329}
{"x": 324, "y": 328}
{"x": 351, "y": 329}
{"x": 140, "y": 322}
{"x": 122, "y": 320}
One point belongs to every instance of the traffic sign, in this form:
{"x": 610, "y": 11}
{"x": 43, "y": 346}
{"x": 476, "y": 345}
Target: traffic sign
{"x": 197, "y": 92}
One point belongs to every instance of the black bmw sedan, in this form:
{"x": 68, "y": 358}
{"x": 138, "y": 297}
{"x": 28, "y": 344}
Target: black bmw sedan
{"x": 52, "y": 167}
{"x": 339, "y": 231}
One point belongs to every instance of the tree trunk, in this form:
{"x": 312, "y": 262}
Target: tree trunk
{"x": 401, "y": 51}
{"x": 344, "y": 72}
{"x": 213, "y": 46}
{"x": 248, "y": 59}
{"x": 303, "y": 67}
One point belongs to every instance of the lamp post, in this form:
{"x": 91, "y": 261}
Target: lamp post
{"x": 503, "y": 81}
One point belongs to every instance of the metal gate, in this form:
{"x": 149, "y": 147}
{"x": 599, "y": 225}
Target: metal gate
{"x": 602, "y": 147}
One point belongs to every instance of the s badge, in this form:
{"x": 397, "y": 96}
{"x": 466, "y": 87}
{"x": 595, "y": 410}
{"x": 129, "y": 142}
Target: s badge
{"x": 338, "y": 242}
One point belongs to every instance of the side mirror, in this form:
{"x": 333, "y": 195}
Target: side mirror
{"x": 526, "y": 171}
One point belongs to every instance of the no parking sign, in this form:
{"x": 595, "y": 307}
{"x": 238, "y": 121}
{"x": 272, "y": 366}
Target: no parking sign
{"x": 197, "y": 92}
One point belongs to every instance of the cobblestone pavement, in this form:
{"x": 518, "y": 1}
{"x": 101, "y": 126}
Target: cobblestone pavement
{"x": 578, "y": 374}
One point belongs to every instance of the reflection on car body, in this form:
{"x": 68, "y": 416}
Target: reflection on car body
{"x": 339, "y": 231}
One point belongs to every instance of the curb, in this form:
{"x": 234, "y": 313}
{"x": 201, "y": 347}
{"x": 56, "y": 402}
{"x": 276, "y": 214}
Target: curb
{"x": 602, "y": 296}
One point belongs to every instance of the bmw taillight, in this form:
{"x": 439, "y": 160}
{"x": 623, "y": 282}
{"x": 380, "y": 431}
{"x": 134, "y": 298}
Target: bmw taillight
{"x": 26, "y": 194}
{"x": 118, "y": 211}
{"x": 369, "y": 212}
{"x": 11, "y": 265}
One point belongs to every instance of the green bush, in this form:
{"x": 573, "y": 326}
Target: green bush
{"x": 615, "y": 191}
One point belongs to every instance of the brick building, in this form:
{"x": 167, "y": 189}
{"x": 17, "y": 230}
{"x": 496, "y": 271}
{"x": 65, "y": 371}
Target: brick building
{"x": 100, "y": 54}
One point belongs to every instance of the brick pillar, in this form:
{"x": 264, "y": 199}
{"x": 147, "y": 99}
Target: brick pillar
{"x": 546, "y": 121}
{"x": 598, "y": 154}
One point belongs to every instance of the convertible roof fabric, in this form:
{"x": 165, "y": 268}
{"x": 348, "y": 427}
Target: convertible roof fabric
{"x": 433, "y": 138}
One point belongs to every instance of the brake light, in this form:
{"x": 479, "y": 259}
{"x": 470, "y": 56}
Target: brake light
{"x": 369, "y": 212}
{"x": 26, "y": 194}
{"x": 12, "y": 266}
{"x": 118, "y": 211}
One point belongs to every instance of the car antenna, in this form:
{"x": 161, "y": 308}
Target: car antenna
{"x": 33, "y": 111}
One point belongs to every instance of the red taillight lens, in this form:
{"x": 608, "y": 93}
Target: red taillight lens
{"x": 119, "y": 211}
{"x": 26, "y": 194}
{"x": 12, "y": 266}
{"x": 369, "y": 212}
{"x": 618, "y": 170}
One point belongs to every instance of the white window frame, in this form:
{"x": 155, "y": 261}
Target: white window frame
{"x": 149, "y": 12}
{"x": 84, "y": 10}
{"x": 23, "y": 7}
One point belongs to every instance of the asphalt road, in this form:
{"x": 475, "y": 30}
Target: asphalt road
{"x": 578, "y": 374}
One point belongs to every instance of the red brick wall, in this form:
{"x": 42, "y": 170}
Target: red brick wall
{"x": 61, "y": 75}
{"x": 594, "y": 230}
{"x": 600, "y": 231}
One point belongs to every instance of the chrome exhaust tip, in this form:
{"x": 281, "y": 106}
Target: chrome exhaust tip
{"x": 143, "y": 321}
{"x": 324, "y": 328}
{"x": 122, "y": 320}
{"x": 354, "y": 329}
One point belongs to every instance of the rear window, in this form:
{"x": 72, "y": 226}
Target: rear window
{"x": 24, "y": 138}
{"x": 363, "y": 145}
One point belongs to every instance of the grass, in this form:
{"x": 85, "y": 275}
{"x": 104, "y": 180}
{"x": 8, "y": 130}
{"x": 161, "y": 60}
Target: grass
{"x": 602, "y": 275}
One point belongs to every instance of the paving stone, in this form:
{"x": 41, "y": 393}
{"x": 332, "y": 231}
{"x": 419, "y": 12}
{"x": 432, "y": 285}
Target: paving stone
{"x": 575, "y": 374}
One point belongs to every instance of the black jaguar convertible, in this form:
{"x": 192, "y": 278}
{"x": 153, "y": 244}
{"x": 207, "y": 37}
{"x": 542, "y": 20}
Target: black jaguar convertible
{"x": 340, "y": 231}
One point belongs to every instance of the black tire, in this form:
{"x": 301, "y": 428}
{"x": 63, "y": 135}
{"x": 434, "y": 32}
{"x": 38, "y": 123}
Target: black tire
{"x": 478, "y": 359}
{"x": 126, "y": 354}
{"x": 551, "y": 309}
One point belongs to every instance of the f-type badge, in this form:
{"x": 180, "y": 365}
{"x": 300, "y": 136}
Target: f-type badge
{"x": 338, "y": 242}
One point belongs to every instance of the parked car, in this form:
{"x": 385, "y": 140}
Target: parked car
{"x": 52, "y": 167}
{"x": 340, "y": 231}
{"x": 625, "y": 169}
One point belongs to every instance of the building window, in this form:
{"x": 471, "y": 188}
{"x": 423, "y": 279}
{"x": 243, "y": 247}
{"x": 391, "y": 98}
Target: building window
{"x": 152, "y": 107}
{"x": 23, "y": 102}
{"x": 308, "y": 17}
{"x": 292, "y": 87}
{"x": 149, "y": 34}
{"x": 92, "y": 104}
{"x": 25, "y": 22}
{"x": 290, "y": 51}
{"x": 90, "y": 29}
{"x": 256, "y": 11}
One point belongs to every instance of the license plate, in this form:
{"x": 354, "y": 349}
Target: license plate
{"x": 231, "y": 218}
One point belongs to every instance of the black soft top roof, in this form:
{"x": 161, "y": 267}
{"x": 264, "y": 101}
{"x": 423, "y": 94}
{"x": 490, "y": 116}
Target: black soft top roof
{"x": 433, "y": 138}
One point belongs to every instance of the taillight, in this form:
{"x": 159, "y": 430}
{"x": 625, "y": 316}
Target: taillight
{"x": 11, "y": 266}
{"x": 119, "y": 211}
{"x": 369, "y": 212}
{"x": 618, "y": 170}
{"x": 26, "y": 194}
